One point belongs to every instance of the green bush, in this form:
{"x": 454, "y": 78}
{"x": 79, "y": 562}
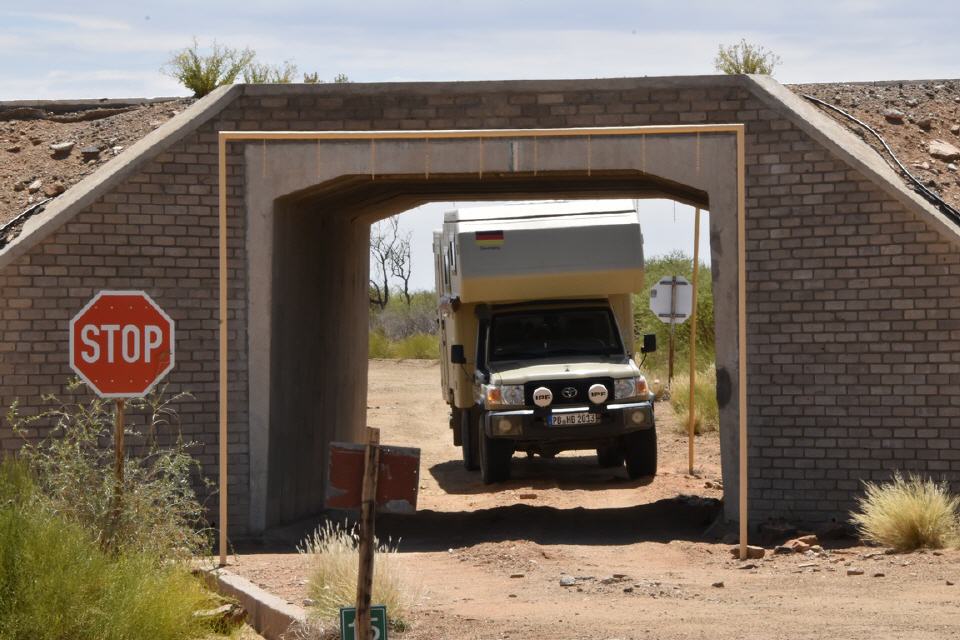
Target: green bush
{"x": 203, "y": 72}
{"x": 263, "y": 73}
{"x": 908, "y": 513}
{"x": 57, "y": 582}
{"x": 422, "y": 346}
{"x": 646, "y": 322}
{"x": 160, "y": 514}
{"x": 745, "y": 58}
{"x": 707, "y": 415}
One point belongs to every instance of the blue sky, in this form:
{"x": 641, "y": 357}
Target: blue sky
{"x": 110, "y": 48}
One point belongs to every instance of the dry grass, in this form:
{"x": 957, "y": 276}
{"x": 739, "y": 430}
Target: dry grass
{"x": 704, "y": 397}
{"x": 333, "y": 575}
{"x": 908, "y": 513}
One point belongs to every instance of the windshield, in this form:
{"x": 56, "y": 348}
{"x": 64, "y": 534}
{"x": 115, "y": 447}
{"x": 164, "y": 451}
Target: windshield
{"x": 553, "y": 332}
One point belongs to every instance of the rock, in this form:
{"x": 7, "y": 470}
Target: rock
{"x": 955, "y": 129}
{"x": 949, "y": 583}
{"x": 718, "y": 584}
{"x": 747, "y": 565}
{"x": 893, "y": 116}
{"x": 156, "y": 123}
{"x": 797, "y": 545}
{"x": 782, "y": 549}
{"x": 944, "y": 151}
{"x": 854, "y": 571}
{"x": 753, "y": 553}
{"x": 567, "y": 581}
{"x": 90, "y": 153}
{"x": 878, "y": 574}
{"x": 516, "y": 575}
{"x": 912, "y": 102}
{"x": 20, "y": 186}
{"x": 14, "y": 148}
{"x": 925, "y": 122}
{"x": 951, "y": 167}
{"x": 527, "y": 496}
{"x": 116, "y": 150}
{"x": 309, "y": 602}
{"x": 34, "y": 186}
{"x": 628, "y": 589}
{"x": 62, "y": 149}
{"x": 53, "y": 190}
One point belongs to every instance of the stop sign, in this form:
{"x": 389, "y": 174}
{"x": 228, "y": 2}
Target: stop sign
{"x": 121, "y": 343}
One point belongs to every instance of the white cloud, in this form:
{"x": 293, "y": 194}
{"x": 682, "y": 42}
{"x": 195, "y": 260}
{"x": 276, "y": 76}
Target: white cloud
{"x": 78, "y": 21}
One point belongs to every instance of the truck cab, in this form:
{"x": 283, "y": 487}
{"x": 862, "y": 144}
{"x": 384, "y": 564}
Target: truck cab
{"x": 537, "y": 337}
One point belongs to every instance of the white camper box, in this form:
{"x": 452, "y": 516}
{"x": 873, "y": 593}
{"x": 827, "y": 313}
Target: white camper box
{"x": 526, "y": 252}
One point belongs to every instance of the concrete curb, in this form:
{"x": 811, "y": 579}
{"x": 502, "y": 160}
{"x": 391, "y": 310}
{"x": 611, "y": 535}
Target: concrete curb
{"x": 271, "y": 616}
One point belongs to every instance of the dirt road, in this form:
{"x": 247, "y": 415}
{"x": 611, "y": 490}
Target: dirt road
{"x": 489, "y": 561}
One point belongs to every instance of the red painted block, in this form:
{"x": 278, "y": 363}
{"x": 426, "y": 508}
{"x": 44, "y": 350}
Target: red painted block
{"x": 397, "y": 485}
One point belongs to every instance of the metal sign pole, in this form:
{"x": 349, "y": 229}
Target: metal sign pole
{"x": 692, "y": 408}
{"x": 673, "y": 326}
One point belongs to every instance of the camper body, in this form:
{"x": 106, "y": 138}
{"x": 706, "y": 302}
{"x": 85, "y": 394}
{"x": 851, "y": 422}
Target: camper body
{"x": 536, "y": 334}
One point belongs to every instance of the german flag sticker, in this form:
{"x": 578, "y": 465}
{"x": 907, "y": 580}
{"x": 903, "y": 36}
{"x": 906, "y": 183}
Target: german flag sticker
{"x": 489, "y": 239}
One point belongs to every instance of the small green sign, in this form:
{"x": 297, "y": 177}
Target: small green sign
{"x": 378, "y": 622}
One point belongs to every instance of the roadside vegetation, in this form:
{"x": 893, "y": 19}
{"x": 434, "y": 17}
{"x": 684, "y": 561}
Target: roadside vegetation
{"x": 404, "y": 329}
{"x": 745, "y": 57}
{"x": 203, "y": 69}
{"x": 908, "y": 513}
{"x": 332, "y": 579}
{"x": 76, "y": 561}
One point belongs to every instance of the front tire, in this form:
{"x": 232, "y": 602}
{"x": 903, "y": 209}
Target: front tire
{"x": 640, "y": 452}
{"x": 470, "y": 438}
{"x": 495, "y": 457}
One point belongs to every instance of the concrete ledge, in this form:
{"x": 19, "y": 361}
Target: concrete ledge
{"x": 97, "y": 184}
{"x": 268, "y": 614}
{"x": 847, "y": 147}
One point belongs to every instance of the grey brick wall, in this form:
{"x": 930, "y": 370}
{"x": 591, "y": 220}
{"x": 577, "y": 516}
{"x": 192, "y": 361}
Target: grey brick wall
{"x": 854, "y": 332}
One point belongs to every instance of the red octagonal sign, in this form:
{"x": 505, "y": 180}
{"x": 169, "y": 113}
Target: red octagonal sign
{"x": 121, "y": 344}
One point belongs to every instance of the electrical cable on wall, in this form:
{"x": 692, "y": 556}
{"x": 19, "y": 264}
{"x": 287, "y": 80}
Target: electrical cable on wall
{"x": 918, "y": 186}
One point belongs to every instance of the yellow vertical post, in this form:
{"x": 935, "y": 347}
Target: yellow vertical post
{"x": 742, "y": 332}
{"x": 223, "y": 350}
{"x": 692, "y": 408}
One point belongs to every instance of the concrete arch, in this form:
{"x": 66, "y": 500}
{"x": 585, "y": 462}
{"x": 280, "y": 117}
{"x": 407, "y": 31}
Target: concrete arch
{"x": 309, "y": 206}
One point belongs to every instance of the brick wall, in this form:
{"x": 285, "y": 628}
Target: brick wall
{"x": 854, "y": 334}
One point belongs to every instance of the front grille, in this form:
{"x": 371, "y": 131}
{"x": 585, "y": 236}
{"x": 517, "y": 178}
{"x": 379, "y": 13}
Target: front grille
{"x": 580, "y": 385}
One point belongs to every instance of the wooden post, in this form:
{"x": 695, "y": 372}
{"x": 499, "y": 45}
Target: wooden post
{"x": 222, "y": 260}
{"x": 693, "y": 342}
{"x": 673, "y": 326}
{"x": 367, "y": 547}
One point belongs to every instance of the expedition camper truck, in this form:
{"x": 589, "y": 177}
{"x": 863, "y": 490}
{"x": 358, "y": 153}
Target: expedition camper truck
{"x": 536, "y": 334}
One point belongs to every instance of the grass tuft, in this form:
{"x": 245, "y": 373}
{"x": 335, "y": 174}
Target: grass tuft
{"x": 423, "y": 346}
{"x": 704, "y": 397}
{"x": 332, "y": 582}
{"x": 908, "y": 513}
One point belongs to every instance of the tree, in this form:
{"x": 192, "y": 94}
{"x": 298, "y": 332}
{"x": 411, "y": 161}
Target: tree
{"x": 202, "y": 73}
{"x": 262, "y": 73}
{"x": 401, "y": 265}
{"x": 341, "y": 78}
{"x": 384, "y": 237}
{"x": 745, "y": 58}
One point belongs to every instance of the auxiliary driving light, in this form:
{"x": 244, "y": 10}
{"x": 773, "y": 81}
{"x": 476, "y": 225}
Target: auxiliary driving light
{"x": 638, "y": 417}
{"x": 542, "y": 397}
{"x": 504, "y": 426}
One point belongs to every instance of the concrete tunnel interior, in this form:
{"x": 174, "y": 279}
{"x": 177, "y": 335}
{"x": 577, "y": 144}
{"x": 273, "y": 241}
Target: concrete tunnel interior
{"x": 316, "y": 330}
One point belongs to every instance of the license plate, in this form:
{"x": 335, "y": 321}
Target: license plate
{"x": 568, "y": 419}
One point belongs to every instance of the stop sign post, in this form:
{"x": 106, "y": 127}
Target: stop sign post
{"x": 121, "y": 345}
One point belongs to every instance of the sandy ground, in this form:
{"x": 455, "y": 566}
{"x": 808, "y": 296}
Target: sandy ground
{"x": 487, "y": 562}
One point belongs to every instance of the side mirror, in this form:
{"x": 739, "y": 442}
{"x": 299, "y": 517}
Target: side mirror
{"x": 457, "y": 355}
{"x": 649, "y": 343}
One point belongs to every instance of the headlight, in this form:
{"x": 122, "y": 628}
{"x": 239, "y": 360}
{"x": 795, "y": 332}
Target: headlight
{"x": 507, "y": 395}
{"x": 630, "y": 388}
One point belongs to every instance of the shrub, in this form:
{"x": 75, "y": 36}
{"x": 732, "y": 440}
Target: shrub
{"x": 159, "y": 515}
{"x": 203, "y": 72}
{"x": 707, "y": 417}
{"x": 908, "y": 513}
{"x": 333, "y": 555}
{"x": 422, "y": 346}
{"x": 745, "y": 58}
{"x": 262, "y": 73}
{"x": 57, "y": 582}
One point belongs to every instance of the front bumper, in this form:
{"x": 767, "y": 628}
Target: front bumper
{"x": 532, "y": 425}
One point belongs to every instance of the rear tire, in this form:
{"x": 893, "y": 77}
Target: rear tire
{"x": 640, "y": 452}
{"x": 610, "y": 456}
{"x": 470, "y": 438}
{"x": 495, "y": 457}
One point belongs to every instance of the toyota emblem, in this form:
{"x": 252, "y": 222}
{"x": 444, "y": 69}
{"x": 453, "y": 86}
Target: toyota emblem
{"x": 569, "y": 392}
